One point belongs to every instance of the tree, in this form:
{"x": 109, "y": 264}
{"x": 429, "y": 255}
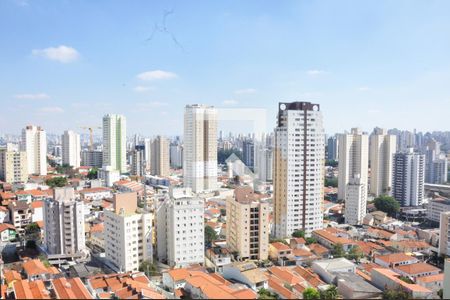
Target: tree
{"x": 331, "y": 163}
{"x": 387, "y": 204}
{"x": 149, "y": 268}
{"x": 330, "y": 293}
{"x": 30, "y": 244}
{"x": 283, "y": 241}
{"x": 355, "y": 253}
{"x": 223, "y": 212}
{"x": 298, "y": 234}
{"x": 395, "y": 295}
{"x": 311, "y": 294}
{"x": 333, "y": 182}
{"x": 266, "y": 294}
{"x": 32, "y": 228}
{"x": 56, "y": 182}
{"x": 310, "y": 240}
{"x": 441, "y": 293}
{"x": 338, "y": 250}
{"x": 210, "y": 235}
{"x": 93, "y": 173}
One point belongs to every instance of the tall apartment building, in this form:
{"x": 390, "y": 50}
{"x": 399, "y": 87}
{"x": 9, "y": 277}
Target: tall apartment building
{"x": 248, "y": 224}
{"x": 436, "y": 164}
{"x": 13, "y": 166}
{"x": 248, "y": 153}
{"x": 128, "y": 234}
{"x": 444, "y": 236}
{"x": 92, "y": 158}
{"x": 34, "y": 143}
{"x": 332, "y": 148}
{"x": 180, "y": 228}
{"x": 176, "y": 155}
{"x": 353, "y": 159}
{"x": 200, "y": 148}
{"x": 299, "y": 156}
{"x": 148, "y": 153}
{"x": 263, "y": 163}
{"x": 138, "y": 160}
{"x": 114, "y": 142}
{"x": 160, "y": 165}
{"x": 408, "y": 178}
{"x": 64, "y": 223}
{"x": 355, "y": 201}
{"x": 71, "y": 150}
{"x": 383, "y": 146}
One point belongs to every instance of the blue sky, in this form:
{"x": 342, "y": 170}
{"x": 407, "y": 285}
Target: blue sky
{"x": 63, "y": 64}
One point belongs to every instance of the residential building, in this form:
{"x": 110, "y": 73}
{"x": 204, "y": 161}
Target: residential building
{"x": 248, "y": 153}
{"x": 263, "y": 162}
{"x": 447, "y": 279}
{"x": 248, "y": 224}
{"x": 128, "y": 234}
{"x": 408, "y": 178}
{"x": 395, "y": 259}
{"x": 176, "y": 155}
{"x": 180, "y": 228}
{"x": 20, "y": 214}
{"x": 353, "y": 159}
{"x": 353, "y": 286}
{"x": 200, "y": 148}
{"x": 13, "y": 166}
{"x": 114, "y": 142}
{"x": 436, "y": 170}
{"x": 298, "y": 168}
{"x": 138, "y": 161}
{"x": 328, "y": 269}
{"x": 382, "y": 149}
{"x": 34, "y": 143}
{"x": 70, "y": 288}
{"x": 92, "y": 158}
{"x": 355, "y": 201}
{"x": 435, "y": 207}
{"x": 444, "y": 233}
{"x": 64, "y": 223}
{"x": 108, "y": 175}
{"x": 333, "y": 148}
{"x": 246, "y": 272}
{"x": 7, "y": 233}
{"x": 160, "y": 157}
{"x": 71, "y": 148}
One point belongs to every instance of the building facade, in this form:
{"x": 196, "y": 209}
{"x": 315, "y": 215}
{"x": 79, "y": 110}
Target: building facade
{"x": 13, "y": 166}
{"x": 92, "y": 158}
{"x": 34, "y": 143}
{"x": 114, "y": 142}
{"x": 299, "y": 156}
{"x": 160, "y": 165}
{"x": 332, "y": 148}
{"x": 200, "y": 148}
{"x": 138, "y": 161}
{"x": 444, "y": 236}
{"x": 71, "y": 148}
{"x": 248, "y": 153}
{"x": 176, "y": 155}
{"x": 355, "y": 201}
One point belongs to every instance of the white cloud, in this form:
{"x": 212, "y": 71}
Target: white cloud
{"x": 314, "y": 73}
{"x": 63, "y": 54}
{"x": 37, "y": 96}
{"x": 51, "y": 109}
{"x": 143, "y": 88}
{"x": 156, "y": 75}
{"x": 364, "y": 88}
{"x": 230, "y": 102}
{"x": 245, "y": 91}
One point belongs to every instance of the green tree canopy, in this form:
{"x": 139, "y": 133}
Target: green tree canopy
{"x": 298, "y": 233}
{"x": 338, "y": 250}
{"x": 310, "y": 240}
{"x": 330, "y": 293}
{"x": 311, "y": 294}
{"x": 149, "y": 268}
{"x": 333, "y": 182}
{"x": 93, "y": 173}
{"x": 210, "y": 235}
{"x": 266, "y": 294}
{"x": 395, "y": 295}
{"x": 355, "y": 253}
{"x": 56, "y": 182}
{"x": 387, "y": 204}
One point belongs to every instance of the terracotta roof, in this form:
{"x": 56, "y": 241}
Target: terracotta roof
{"x": 4, "y": 226}
{"x": 3, "y": 291}
{"x": 279, "y": 288}
{"x": 412, "y": 244}
{"x": 380, "y": 233}
{"x": 395, "y": 258}
{"x": 280, "y": 246}
{"x": 7, "y": 196}
{"x": 34, "y": 193}
{"x": 37, "y": 204}
{"x": 318, "y": 249}
{"x": 326, "y": 234}
{"x": 417, "y": 268}
{"x": 301, "y": 252}
{"x": 24, "y": 289}
{"x": 285, "y": 274}
{"x": 36, "y": 267}
{"x": 431, "y": 278}
{"x": 71, "y": 288}
{"x": 11, "y": 275}
{"x": 312, "y": 278}
{"x": 299, "y": 240}
{"x": 178, "y": 274}
{"x": 394, "y": 277}
{"x": 95, "y": 190}
{"x": 40, "y": 224}
{"x": 99, "y": 227}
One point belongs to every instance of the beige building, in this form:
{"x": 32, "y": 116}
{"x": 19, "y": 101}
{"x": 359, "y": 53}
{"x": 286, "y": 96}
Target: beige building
{"x": 248, "y": 224}
{"x": 353, "y": 159}
{"x": 444, "y": 237}
{"x": 34, "y": 143}
{"x": 382, "y": 149}
{"x": 13, "y": 166}
{"x": 128, "y": 234}
{"x": 160, "y": 164}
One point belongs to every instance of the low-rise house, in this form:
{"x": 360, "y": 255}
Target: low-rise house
{"x": 7, "y": 232}
{"x": 286, "y": 283}
{"x": 11, "y": 276}
{"x": 35, "y": 270}
{"x": 378, "y": 233}
{"x": 71, "y": 288}
{"x": 219, "y": 257}
{"x": 20, "y": 215}
{"x": 410, "y": 246}
{"x": 96, "y": 195}
{"x": 319, "y": 250}
{"x": 432, "y": 282}
{"x": 352, "y": 286}
{"x": 297, "y": 243}
{"x": 247, "y": 273}
{"x": 279, "y": 251}
{"x": 417, "y": 270}
{"x": 328, "y": 269}
{"x": 385, "y": 279}
{"x": 175, "y": 278}
{"x": 371, "y": 249}
{"x": 24, "y": 289}
{"x": 395, "y": 260}
{"x": 329, "y": 238}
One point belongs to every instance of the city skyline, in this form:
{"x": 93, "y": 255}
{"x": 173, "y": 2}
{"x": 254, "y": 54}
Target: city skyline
{"x": 351, "y": 62}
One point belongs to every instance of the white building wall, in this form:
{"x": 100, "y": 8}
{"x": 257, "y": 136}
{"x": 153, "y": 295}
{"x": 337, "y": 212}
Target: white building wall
{"x": 34, "y": 143}
{"x": 71, "y": 150}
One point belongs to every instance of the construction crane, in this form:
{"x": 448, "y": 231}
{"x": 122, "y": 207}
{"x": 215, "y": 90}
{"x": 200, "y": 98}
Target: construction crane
{"x": 91, "y": 135}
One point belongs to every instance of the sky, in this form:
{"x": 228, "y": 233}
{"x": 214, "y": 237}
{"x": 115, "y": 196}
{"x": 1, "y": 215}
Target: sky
{"x": 64, "y": 64}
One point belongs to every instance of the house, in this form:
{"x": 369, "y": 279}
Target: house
{"x": 20, "y": 215}
{"x": 383, "y": 279}
{"x": 394, "y": 260}
{"x": 4, "y": 214}
{"x": 352, "y": 286}
{"x": 11, "y": 276}
{"x": 417, "y": 270}
{"x": 96, "y": 195}
{"x": 370, "y": 248}
{"x": 297, "y": 243}
{"x": 410, "y": 246}
{"x": 24, "y": 289}
{"x": 71, "y": 288}
{"x": 278, "y": 250}
{"x": 286, "y": 283}
{"x": 377, "y": 233}
{"x": 319, "y": 250}
{"x": 175, "y": 278}
{"x": 431, "y": 282}
{"x": 7, "y": 232}
{"x": 247, "y": 273}
{"x": 219, "y": 257}
{"x": 327, "y": 269}
{"x": 35, "y": 270}
{"x": 329, "y": 238}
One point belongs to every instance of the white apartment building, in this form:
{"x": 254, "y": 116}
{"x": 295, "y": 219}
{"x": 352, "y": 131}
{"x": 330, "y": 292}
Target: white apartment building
{"x": 34, "y": 143}
{"x": 383, "y": 146}
{"x": 263, "y": 162}
{"x": 114, "y": 142}
{"x": 355, "y": 201}
{"x": 13, "y": 166}
{"x": 160, "y": 165}
{"x": 180, "y": 229}
{"x": 64, "y": 223}
{"x": 128, "y": 234}
{"x": 71, "y": 150}
{"x": 444, "y": 236}
{"x": 353, "y": 159}
{"x": 248, "y": 224}
{"x": 408, "y": 178}
{"x": 298, "y": 172}
{"x": 435, "y": 207}
{"x": 200, "y": 148}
